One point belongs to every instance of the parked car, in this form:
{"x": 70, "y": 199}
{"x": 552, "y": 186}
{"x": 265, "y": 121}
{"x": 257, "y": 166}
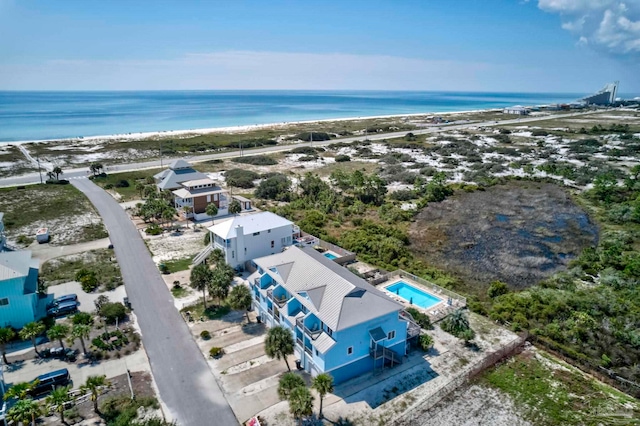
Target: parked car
{"x": 63, "y": 308}
{"x": 45, "y": 383}
{"x": 60, "y": 353}
{"x": 66, "y": 298}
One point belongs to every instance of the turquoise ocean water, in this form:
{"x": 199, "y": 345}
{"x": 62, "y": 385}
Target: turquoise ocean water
{"x": 57, "y": 115}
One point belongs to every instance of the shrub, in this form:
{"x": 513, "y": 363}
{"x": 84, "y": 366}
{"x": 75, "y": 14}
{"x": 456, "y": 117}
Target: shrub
{"x": 164, "y": 269}
{"x": 307, "y": 158}
{"x": 24, "y": 240}
{"x": 276, "y": 187}
{"x": 256, "y": 160}
{"x": 207, "y": 239}
{"x": 111, "y": 311}
{"x": 216, "y": 352}
{"x": 497, "y": 288}
{"x": 153, "y": 229}
{"x": 425, "y": 341}
{"x": 423, "y": 320}
{"x": 342, "y": 158}
{"x": 205, "y": 335}
{"x": 241, "y": 178}
{"x": 315, "y": 136}
{"x": 122, "y": 183}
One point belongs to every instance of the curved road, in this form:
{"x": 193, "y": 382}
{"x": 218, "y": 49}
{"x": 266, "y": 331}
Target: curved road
{"x": 33, "y": 178}
{"x": 186, "y": 384}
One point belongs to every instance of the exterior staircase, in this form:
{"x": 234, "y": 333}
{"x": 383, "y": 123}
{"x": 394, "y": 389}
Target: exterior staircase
{"x": 202, "y": 256}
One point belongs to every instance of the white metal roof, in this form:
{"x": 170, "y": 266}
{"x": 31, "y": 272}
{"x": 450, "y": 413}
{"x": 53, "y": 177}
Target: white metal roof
{"x": 203, "y": 181}
{"x": 257, "y": 222}
{"x": 15, "y": 264}
{"x": 339, "y": 298}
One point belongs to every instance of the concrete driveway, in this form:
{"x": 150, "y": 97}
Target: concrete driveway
{"x": 86, "y": 299}
{"x": 187, "y": 386}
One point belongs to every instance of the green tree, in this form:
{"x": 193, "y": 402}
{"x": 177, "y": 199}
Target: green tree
{"x": 211, "y": 210}
{"x": 58, "y": 332}
{"x": 323, "y": 384}
{"x": 81, "y": 332}
{"x": 497, "y": 288}
{"x": 200, "y": 278}
{"x": 220, "y": 283}
{"x": 96, "y": 168}
{"x": 112, "y": 311}
{"x": 31, "y": 331}
{"x": 301, "y": 403}
{"x": 6, "y": 335}
{"x": 92, "y": 386}
{"x": 276, "y": 187}
{"x": 235, "y": 207}
{"x": 456, "y": 323}
{"x": 25, "y": 411}
{"x": 279, "y": 344}
{"x": 140, "y": 188}
{"x": 58, "y": 399}
{"x": 287, "y": 383}
{"x": 57, "y": 171}
{"x": 19, "y": 390}
{"x": 240, "y": 299}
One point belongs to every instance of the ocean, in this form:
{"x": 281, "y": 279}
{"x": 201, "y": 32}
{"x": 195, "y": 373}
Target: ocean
{"x": 57, "y": 115}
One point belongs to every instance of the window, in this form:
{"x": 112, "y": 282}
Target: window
{"x": 269, "y": 231}
{"x": 256, "y": 233}
{"x": 391, "y": 335}
{"x": 272, "y": 245}
{"x": 349, "y": 350}
{"x": 288, "y": 239}
{"x": 233, "y": 254}
{"x": 316, "y": 351}
{"x": 208, "y": 198}
{"x": 4, "y": 301}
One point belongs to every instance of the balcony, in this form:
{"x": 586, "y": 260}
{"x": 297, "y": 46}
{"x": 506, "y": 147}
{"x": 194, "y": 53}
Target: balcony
{"x": 311, "y": 333}
{"x": 280, "y": 301}
{"x": 413, "y": 329}
{"x": 299, "y": 342}
{"x": 308, "y": 350}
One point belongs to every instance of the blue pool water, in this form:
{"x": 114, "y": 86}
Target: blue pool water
{"x": 330, "y": 255}
{"x": 413, "y": 295}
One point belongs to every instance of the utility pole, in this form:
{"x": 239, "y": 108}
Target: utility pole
{"x": 161, "y": 153}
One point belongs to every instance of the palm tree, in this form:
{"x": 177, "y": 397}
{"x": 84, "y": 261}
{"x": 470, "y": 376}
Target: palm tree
{"x": 288, "y": 382}
{"x": 323, "y": 383}
{"x": 279, "y": 344}
{"x": 25, "y": 411}
{"x": 235, "y": 207}
{"x": 57, "y": 171}
{"x": 201, "y": 276}
{"x": 81, "y": 331}
{"x": 6, "y": 335}
{"x": 140, "y": 188}
{"x": 95, "y": 168}
{"x": 300, "y": 403}
{"x": 168, "y": 214}
{"x": 31, "y": 331}
{"x": 221, "y": 279}
{"x": 58, "y": 399}
{"x": 211, "y": 210}
{"x": 456, "y": 323}
{"x": 58, "y": 331}
{"x": 216, "y": 257}
{"x": 240, "y": 299}
{"x": 19, "y": 390}
{"x": 92, "y": 386}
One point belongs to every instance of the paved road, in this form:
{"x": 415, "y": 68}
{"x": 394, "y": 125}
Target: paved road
{"x": 184, "y": 379}
{"x": 33, "y": 178}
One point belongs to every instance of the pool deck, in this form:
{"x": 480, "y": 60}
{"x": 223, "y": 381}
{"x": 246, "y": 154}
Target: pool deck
{"x": 435, "y": 312}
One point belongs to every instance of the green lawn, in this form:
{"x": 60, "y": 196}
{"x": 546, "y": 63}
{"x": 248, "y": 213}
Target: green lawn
{"x": 177, "y": 265}
{"x": 213, "y": 311}
{"x": 103, "y": 262}
{"x": 550, "y": 392}
{"x": 127, "y": 193}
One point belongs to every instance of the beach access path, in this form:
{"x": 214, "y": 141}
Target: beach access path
{"x": 187, "y": 387}
{"x": 33, "y": 178}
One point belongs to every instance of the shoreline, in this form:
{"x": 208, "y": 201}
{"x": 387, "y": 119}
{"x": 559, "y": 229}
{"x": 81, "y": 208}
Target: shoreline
{"x": 229, "y": 129}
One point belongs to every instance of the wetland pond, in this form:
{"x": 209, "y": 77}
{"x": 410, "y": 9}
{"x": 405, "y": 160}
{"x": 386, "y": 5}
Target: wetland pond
{"x": 519, "y": 233}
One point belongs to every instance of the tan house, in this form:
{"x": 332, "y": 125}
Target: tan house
{"x": 195, "y": 195}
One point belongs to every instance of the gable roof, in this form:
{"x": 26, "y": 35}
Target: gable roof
{"x": 16, "y": 264}
{"x": 339, "y": 298}
{"x": 257, "y": 222}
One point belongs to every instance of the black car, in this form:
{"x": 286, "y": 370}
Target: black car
{"x": 62, "y": 299}
{"x": 63, "y": 308}
{"x": 47, "y": 382}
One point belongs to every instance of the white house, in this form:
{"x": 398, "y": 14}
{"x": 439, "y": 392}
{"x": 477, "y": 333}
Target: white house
{"x": 247, "y": 237}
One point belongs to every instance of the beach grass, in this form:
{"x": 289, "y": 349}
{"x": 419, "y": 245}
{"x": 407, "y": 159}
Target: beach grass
{"x": 101, "y": 261}
{"x": 19, "y": 164}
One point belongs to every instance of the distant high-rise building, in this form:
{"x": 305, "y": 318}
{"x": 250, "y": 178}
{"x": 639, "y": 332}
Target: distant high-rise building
{"x": 606, "y": 96}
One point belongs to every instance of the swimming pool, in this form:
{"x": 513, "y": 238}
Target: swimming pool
{"x": 330, "y": 255}
{"x": 413, "y": 295}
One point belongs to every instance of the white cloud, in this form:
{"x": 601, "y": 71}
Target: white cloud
{"x": 609, "y": 25}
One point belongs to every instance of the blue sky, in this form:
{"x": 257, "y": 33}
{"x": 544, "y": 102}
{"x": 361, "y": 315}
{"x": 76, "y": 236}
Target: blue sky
{"x": 528, "y": 46}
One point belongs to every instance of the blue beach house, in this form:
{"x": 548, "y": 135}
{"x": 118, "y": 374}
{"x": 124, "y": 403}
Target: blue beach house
{"x": 341, "y": 324}
{"x": 19, "y": 299}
